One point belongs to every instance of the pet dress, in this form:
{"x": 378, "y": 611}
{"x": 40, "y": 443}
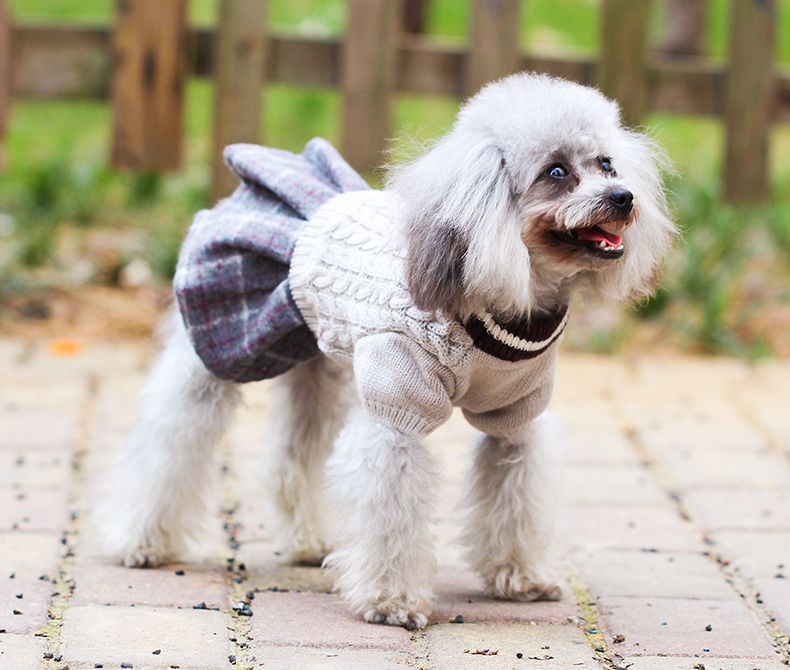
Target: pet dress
{"x": 304, "y": 258}
{"x": 231, "y": 283}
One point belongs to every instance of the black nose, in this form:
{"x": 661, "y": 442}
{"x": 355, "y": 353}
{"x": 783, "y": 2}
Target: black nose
{"x": 622, "y": 199}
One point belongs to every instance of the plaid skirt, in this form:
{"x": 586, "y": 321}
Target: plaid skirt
{"x": 231, "y": 283}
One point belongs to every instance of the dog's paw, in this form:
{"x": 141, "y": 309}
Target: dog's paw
{"x": 144, "y": 557}
{"x": 409, "y": 619}
{"x": 511, "y": 583}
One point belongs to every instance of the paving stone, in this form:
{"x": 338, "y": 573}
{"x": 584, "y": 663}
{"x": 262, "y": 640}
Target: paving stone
{"x": 613, "y": 485}
{"x": 307, "y": 658}
{"x": 677, "y": 627}
{"x": 251, "y": 517}
{"x": 195, "y": 639}
{"x": 11, "y": 352}
{"x": 693, "y": 427}
{"x": 459, "y": 592}
{"x": 25, "y": 614}
{"x": 709, "y": 466}
{"x": 656, "y": 574}
{"x": 692, "y": 377}
{"x": 318, "y": 620}
{"x": 24, "y": 558}
{"x": 630, "y": 527}
{"x": 602, "y": 374}
{"x": 690, "y": 663}
{"x": 728, "y": 509}
{"x": 26, "y": 429}
{"x": 549, "y": 647}
{"x": 100, "y": 582}
{"x": 757, "y": 554}
{"x": 29, "y": 554}
{"x": 265, "y": 571}
{"x": 21, "y": 652}
{"x": 40, "y": 467}
{"x": 775, "y": 594}
{"x": 600, "y": 446}
{"x": 33, "y": 509}
{"x": 26, "y": 390}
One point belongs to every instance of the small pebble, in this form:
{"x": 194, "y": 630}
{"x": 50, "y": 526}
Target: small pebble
{"x": 519, "y": 655}
{"x": 180, "y": 573}
{"x": 709, "y": 628}
{"x": 457, "y": 619}
{"x": 250, "y": 595}
{"x": 232, "y": 659}
{"x": 98, "y": 665}
{"x": 49, "y": 655}
{"x": 59, "y": 658}
{"x": 156, "y": 652}
{"x": 242, "y": 609}
{"x": 126, "y": 665}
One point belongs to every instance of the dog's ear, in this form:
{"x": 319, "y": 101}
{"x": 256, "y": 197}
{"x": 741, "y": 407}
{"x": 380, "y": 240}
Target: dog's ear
{"x": 448, "y": 197}
{"x": 435, "y": 267}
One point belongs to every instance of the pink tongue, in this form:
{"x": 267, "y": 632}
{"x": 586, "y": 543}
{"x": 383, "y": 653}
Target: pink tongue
{"x": 597, "y": 234}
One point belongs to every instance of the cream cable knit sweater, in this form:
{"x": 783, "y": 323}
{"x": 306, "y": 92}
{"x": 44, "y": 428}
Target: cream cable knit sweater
{"x": 411, "y": 367}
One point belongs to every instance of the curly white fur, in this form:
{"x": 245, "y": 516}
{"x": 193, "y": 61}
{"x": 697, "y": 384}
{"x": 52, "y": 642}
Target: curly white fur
{"x": 489, "y": 223}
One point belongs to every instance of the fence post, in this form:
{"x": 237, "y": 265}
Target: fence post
{"x": 622, "y": 59}
{"x": 748, "y": 100}
{"x": 5, "y": 76}
{"x": 368, "y": 79}
{"x": 147, "y": 91}
{"x": 239, "y": 65}
{"x": 413, "y": 13}
{"x": 685, "y": 28}
{"x": 493, "y": 42}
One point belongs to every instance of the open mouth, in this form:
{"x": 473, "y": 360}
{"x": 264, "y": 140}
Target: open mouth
{"x": 595, "y": 239}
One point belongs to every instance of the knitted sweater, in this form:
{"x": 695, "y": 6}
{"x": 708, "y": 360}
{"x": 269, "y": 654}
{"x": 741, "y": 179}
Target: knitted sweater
{"x": 412, "y": 367}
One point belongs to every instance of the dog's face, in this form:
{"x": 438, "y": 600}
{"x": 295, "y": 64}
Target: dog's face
{"x": 578, "y": 211}
{"x": 537, "y": 192}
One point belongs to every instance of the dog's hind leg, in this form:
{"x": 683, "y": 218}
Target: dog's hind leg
{"x": 386, "y": 483}
{"x": 514, "y": 492}
{"x": 309, "y": 405}
{"x": 156, "y": 494}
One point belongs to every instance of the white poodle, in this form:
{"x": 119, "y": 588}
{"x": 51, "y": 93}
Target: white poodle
{"x": 449, "y": 288}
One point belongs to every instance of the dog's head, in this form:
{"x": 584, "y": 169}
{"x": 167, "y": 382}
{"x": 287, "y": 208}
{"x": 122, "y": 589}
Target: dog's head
{"x": 536, "y": 192}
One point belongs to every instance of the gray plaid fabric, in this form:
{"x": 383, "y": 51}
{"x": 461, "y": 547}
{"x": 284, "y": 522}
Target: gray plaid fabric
{"x": 231, "y": 283}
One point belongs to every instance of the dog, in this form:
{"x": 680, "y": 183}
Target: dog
{"x": 447, "y": 288}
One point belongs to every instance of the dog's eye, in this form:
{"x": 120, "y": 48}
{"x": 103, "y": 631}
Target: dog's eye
{"x": 606, "y": 166}
{"x": 557, "y": 171}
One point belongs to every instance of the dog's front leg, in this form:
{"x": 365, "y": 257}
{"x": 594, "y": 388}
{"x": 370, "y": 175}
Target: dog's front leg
{"x": 515, "y": 488}
{"x": 385, "y": 482}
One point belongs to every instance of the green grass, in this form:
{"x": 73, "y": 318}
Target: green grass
{"x": 58, "y": 182}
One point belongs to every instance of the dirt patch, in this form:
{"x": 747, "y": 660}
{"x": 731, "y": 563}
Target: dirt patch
{"x": 84, "y": 313}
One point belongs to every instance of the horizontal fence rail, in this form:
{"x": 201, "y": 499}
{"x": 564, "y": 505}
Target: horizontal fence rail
{"x": 376, "y": 58}
{"x": 74, "y": 62}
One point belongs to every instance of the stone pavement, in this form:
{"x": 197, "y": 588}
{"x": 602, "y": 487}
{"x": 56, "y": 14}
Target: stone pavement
{"x": 678, "y": 534}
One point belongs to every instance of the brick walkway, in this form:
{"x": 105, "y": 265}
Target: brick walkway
{"x": 678, "y": 539}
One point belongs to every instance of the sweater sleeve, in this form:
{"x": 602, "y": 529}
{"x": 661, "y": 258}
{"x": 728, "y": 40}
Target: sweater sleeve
{"x": 509, "y": 420}
{"x": 402, "y": 385}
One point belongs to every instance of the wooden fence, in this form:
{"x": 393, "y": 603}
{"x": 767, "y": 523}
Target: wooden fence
{"x": 142, "y": 61}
